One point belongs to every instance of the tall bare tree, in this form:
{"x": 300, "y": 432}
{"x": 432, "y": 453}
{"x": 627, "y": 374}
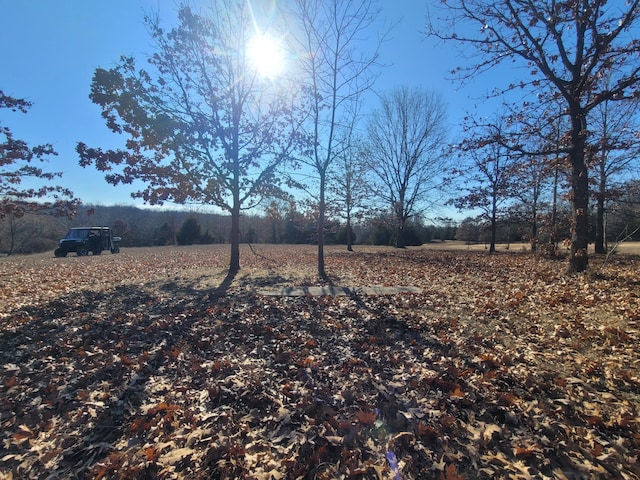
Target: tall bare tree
{"x": 339, "y": 60}
{"x": 567, "y": 46}
{"x": 533, "y": 142}
{"x": 349, "y": 187}
{"x": 613, "y": 149}
{"x": 201, "y": 128}
{"x": 487, "y": 179}
{"x": 406, "y": 140}
{"x": 533, "y": 178}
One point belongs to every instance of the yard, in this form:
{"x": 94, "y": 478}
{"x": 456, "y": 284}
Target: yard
{"x": 137, "y": 366}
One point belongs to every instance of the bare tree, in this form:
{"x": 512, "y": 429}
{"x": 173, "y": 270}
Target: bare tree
{"x": 488, "y": 178}
{"x": 569, "y": 47}
{"x": 613, "y": 151}
{"x": 338, "y": 67}
{"x": 406, "y": 140}
{"x": 534, "y": 143}
{"x": 349, "y": 186}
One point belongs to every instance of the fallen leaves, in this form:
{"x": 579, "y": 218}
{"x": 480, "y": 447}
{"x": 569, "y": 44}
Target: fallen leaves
{"x": 501, "y": 368}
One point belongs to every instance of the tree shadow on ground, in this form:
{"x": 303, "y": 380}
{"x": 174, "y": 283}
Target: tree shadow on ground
{"x": 270, "y": 280}
{"x": 86, "y": 359}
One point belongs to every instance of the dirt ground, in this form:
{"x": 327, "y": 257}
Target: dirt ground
{"x": 145, "y": 365}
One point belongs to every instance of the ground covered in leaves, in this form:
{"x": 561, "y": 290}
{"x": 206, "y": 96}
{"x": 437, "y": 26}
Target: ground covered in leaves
{"x": 134, "y": 366}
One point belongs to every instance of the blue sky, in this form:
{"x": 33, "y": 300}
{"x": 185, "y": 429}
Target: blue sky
{"x": 51, "y": 49}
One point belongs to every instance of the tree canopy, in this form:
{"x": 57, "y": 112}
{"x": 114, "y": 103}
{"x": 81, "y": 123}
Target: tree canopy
{"x": 406, "y": 137}
{"x": 24, "y": 185}
{"x": 202, "y": 126}
{"x": 580, "y": 53}
{"x": 337, "y": 68}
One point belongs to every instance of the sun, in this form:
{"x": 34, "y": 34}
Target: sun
{"x": 266, "y": 55}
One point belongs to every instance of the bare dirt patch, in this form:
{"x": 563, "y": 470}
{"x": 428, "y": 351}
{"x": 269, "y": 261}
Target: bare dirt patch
{"x": 136, "y": 366}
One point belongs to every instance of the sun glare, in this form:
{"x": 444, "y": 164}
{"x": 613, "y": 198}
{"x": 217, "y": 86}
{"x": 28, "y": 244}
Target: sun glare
{"x": 266, "y": 55}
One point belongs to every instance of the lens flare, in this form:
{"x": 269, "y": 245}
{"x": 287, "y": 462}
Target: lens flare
{"x": 266, "y": 55}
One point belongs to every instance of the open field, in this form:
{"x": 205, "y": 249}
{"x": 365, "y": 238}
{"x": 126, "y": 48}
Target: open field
{"x": 629, "y": 248}
{"x": 137, "y": 366}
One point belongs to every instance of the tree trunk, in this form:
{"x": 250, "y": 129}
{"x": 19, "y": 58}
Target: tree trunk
{"x": 321, "y": 214}
{"x": 553, "y": 237}
{"x": 494, "y": 224}
{"x": 234, "y": 262}
{"x": 494, "y": 229}
{"x": 401, "y": 221}
{"x": 12, "y": 234}
{"x": 599, "y": 240}
{"x": 349, "y": 239}
{"x": 400, "y": 236}
{"x": 534, "y": 229}
{"x": 579, "y": 258}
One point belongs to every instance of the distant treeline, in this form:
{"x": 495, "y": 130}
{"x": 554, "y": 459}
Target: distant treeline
{"x": 140, "y": 227}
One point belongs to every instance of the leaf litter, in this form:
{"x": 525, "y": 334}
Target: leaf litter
{"x": 132, "y": 366}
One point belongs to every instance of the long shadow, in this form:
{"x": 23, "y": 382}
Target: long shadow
{"x": 326, "y": 279}
{"x": 222, "y": 289}
{"x": 386, "y": 331}
{"x": 397, "y": 327}
{"x": 104, "y": 338}
{"x": 108, "y": 428}
{"x": 269, "y": 280}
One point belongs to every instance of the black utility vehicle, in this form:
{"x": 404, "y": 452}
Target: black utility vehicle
{"x": 83, "y": 240}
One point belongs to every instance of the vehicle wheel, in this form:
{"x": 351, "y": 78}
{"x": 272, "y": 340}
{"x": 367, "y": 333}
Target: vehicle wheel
{"x": 60, "y": 253}
{"x": 82, "y": 252}
{"x": 115, "y": 250}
